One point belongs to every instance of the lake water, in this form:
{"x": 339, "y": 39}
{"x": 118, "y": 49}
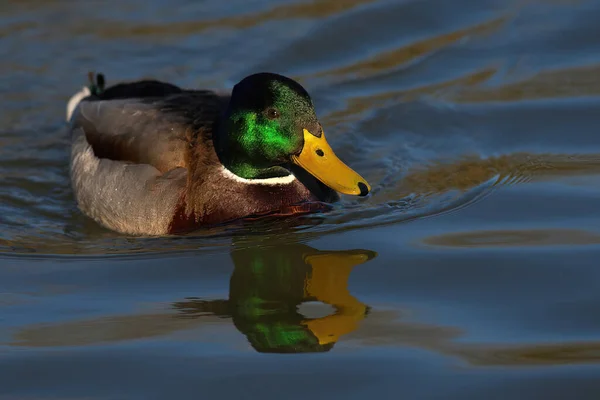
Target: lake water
{"x": 470, "y": 272}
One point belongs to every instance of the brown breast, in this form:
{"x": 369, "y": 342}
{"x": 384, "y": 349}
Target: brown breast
{"x": 244, "y": 202}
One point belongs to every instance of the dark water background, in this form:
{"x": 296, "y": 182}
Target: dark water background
{"x": 471, "y": 272}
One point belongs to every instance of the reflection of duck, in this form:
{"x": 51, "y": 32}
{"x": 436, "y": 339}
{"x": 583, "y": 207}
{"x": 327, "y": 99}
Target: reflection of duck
{"x": 151, "y": 158}
{"x": 268, "y": 285}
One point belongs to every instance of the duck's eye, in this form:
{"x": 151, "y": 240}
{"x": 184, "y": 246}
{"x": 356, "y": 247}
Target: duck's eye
{"x": 272, "y": 113}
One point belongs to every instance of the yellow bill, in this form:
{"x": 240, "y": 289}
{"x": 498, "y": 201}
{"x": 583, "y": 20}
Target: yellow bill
{"x": 319, "y": 160}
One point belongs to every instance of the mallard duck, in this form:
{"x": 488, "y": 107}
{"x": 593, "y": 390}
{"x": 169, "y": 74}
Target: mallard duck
{"x": 150, "y": 158}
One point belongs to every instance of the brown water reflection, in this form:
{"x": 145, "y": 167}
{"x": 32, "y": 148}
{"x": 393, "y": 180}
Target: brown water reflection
{"x": 571, "y": 82}
{"x": 314, "y": 9}
{"x": 387, "y": 329}
{"x": 390, "y": 60}
{"x": 515, "y": 238}
{"x": 471, "y": 171}
{"x": 357, "y": 105}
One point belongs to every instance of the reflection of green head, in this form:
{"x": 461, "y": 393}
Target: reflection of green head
{"x": 279, "y": 336}
{"x": 266, "y": 288}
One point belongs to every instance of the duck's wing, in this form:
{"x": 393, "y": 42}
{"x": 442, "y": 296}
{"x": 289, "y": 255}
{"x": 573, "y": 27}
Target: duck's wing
{"x": 146, "y": 130}
{"x": 129, "y": 198}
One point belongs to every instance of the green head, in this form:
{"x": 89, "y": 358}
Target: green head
{"x": 270, "y": 123}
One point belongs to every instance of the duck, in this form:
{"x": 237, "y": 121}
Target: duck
{"x": 151, "y": 158}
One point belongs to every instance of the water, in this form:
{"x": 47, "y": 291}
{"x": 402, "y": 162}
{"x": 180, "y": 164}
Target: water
{"x": 471, "y": 272}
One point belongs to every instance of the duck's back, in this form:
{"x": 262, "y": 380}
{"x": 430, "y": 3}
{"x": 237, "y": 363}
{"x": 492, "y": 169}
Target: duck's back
{"x": 147, "y": 122}
{"x": 129, "y": 147}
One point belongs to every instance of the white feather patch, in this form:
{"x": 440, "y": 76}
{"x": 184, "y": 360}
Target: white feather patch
{"x": 75, "y": 100}
{"x": 283, "y": 180}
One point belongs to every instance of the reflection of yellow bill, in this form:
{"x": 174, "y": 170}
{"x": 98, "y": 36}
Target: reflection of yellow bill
{"x": 319, "y": 160}
{"x": 329, "y": 284}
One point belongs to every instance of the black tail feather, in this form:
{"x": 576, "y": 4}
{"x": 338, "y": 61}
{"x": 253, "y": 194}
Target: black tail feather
{"x": 97, "y": 83}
